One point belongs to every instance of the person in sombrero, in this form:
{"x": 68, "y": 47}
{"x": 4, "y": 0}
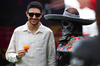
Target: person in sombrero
{"x": 71, "y": 32}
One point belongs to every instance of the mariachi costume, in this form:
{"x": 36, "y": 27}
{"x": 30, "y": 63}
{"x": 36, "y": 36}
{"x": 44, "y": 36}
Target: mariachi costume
{"x": 71, "y": 32}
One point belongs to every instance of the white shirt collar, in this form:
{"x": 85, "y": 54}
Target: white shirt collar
{"x": 40, "y": 29}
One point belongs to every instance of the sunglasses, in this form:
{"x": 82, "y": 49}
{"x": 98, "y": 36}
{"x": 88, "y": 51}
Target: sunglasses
{"x": 36, "y": 14}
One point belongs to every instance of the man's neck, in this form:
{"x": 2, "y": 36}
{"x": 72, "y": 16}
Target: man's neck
{"x": 33, "y": 28}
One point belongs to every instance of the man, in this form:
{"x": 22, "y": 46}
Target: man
{"x": 87, "y": 53}
{"x": 38, "y": 37}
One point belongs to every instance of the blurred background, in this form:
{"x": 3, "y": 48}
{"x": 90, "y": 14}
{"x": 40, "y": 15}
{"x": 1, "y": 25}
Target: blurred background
{"x": 12, "y": 15}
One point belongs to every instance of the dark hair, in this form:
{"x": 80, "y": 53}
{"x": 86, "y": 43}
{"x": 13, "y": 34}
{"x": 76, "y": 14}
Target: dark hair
{"x": 98, "y": 14}
{"x": 34, "y": 4}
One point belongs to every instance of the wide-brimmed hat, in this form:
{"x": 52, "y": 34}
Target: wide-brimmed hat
{"x": 68, "y": 17}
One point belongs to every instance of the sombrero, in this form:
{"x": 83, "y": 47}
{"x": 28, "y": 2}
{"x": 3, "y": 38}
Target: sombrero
{"x": 68, "y": 17}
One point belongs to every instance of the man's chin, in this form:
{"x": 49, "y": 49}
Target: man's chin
{"x": 34, "y": 23}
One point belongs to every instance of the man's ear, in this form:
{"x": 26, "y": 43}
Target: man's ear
{"x": 26, "y": 14}
{"x": 41, "y": 15}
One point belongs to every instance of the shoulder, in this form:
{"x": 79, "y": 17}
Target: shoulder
{"x": 46, "y": 29}
{"x": 19, "y": 28}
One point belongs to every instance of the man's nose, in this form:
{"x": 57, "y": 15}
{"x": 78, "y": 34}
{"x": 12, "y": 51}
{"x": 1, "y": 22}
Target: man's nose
{"x": 34, "y": 16}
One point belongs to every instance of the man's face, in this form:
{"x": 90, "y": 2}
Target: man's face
{"x": 34, "y": 15}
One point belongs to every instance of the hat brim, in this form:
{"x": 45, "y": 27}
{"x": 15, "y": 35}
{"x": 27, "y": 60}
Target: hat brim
{"x": 58, "y": 18}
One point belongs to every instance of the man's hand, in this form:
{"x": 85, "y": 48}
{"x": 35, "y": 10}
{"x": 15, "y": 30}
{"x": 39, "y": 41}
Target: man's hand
{"x": 21, "y": 53}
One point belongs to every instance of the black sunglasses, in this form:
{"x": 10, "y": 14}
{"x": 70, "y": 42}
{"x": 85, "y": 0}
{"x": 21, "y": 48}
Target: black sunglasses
{"x": 36, "y": 14}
